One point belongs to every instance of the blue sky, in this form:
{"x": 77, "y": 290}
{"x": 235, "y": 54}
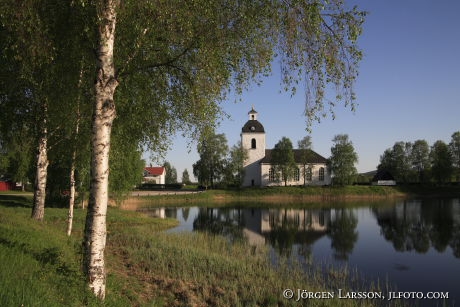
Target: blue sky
{"x": 408, "y": 88}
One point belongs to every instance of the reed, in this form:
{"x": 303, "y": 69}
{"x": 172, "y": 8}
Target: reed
{"x": 41, "y": 266}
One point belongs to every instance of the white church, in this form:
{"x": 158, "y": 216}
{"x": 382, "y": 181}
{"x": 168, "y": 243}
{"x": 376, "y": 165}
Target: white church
{"x": 258, "y": 168}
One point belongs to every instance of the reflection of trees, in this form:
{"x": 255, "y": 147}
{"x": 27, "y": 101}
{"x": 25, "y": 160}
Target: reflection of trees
{"x": 282, "y": 235}
{"x": 185, "y": 213}
{"x": 442, "y": 224}
{"x": 171, "y": 212}
{"x": 455, "y": 241}
{"x": 228, "y": 223}
{"x": 342, "y": 231}
{"x": 420, "y": 225}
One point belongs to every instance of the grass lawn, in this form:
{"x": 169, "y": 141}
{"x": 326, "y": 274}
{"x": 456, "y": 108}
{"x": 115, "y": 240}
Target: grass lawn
{"x": 41, "y": 266}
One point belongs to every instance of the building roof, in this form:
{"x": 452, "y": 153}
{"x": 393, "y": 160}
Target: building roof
{"x": 314, "y": 157}
{"x": 253, "y": 126}
{"x": 155, "y": 171}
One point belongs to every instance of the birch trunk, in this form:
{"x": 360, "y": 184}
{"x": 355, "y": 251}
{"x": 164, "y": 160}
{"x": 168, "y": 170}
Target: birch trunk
{"x": 38, "y": 210}
{"x": 72, "y": 192}
{"x": 73, "y": 162}
{"x": 103, "y": 116}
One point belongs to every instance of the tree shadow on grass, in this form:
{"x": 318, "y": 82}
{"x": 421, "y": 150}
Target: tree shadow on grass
{"x": 15, "y": 201}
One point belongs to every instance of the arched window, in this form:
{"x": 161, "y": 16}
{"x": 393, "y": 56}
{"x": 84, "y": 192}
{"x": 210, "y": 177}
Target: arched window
{"x": 321, "y": 174}
{"x": 297, "y": 174}
{"x": 271, "y": 174}
{"x": 253, "y": 143}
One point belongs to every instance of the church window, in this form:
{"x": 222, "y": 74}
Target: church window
{"x": 271, "y": 174}
{"x": 308, "y": 174}
{"x": 297, "y": 174}
{"x": 321, "y": 174}
{"x": 253, "y": 143}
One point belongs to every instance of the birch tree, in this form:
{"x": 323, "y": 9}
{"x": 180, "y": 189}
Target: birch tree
{"x": 177, "y": 60}
{"x": 39, "y": 43}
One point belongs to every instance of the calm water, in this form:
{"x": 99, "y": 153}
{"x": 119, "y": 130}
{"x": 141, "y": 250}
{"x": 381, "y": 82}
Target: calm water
{"x": 415, "y": 245}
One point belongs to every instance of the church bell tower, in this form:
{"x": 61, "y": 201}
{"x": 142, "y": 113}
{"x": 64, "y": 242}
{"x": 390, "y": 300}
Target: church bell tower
{"x": 253, "y": 140}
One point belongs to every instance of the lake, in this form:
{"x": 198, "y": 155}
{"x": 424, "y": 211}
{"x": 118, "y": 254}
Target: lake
{"x": 414, "y": 245}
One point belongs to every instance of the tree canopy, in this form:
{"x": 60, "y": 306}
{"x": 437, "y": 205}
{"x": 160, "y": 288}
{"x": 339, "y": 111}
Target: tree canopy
{"x": 283, "y": 160}
{"x": 213, "y": 150}
{"x": 174, "y": 62}
{"x": 343, "y": 159}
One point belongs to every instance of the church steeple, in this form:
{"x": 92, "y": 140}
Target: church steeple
{"x": 252, "y": 114}
{"x": 253, "y": 140}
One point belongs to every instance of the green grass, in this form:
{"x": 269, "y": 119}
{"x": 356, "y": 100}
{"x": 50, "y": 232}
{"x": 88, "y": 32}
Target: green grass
{"x": 41, "y": 266}
{"x": 300, "y": 195}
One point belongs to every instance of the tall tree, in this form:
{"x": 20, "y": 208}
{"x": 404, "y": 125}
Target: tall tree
{"x": 398, "y": 161}
{"x": 402, "y": 162}
{"x": 454, "y": 147}
{"x": 39, "y": 46}
{"x": 283, "y": 160}
{"x": 179, "y": 59}
{"x": 103, "y": 115}
{"x": 234, "y": 168}
{"x": 186, "y": 177}
{"x": 171, "y": 173}
{"x": 212, "y": 149}
{"x": 420, "y": 158}
{"x": 441, "y": 162}
{"x": 343, "y": 160}
{"x": 305, "y": 146}
{"x": 27, "y": 51}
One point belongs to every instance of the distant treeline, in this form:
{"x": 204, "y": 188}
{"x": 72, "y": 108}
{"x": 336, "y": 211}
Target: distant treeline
{"x": 418, "y": 162}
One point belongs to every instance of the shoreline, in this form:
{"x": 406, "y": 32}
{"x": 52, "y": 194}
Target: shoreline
{"x": 285, "y": 195}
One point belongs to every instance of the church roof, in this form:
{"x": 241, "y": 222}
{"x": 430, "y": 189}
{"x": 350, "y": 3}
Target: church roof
{"x": 253, "y": 126}
{"x": 314, "y": 157}
{"x": 252, "y": 111}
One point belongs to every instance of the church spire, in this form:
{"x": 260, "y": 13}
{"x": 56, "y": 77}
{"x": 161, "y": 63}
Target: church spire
{"x": 252, "y": 114}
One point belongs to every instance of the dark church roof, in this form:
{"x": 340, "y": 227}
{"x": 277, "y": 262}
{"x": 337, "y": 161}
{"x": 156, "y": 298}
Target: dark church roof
{"x": 253, "y": 126}
{"x": 314, "y": 157}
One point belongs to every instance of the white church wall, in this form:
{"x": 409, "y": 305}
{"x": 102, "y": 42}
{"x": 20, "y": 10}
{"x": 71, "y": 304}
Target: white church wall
{"x": 265, "y": 180}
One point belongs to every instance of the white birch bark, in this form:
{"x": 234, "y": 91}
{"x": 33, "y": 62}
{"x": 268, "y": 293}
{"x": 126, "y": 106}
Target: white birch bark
{"x": 41, "y": 173}
{"x": 72, "y": 191}
{"x": 103, "y": 116}
{"x": 73, "y": 162}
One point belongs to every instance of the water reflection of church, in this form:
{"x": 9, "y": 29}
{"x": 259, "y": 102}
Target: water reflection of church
{"x": 295, "y": 226}
{"x": 260, "y": 223}
{"x": 408, "y": 225}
